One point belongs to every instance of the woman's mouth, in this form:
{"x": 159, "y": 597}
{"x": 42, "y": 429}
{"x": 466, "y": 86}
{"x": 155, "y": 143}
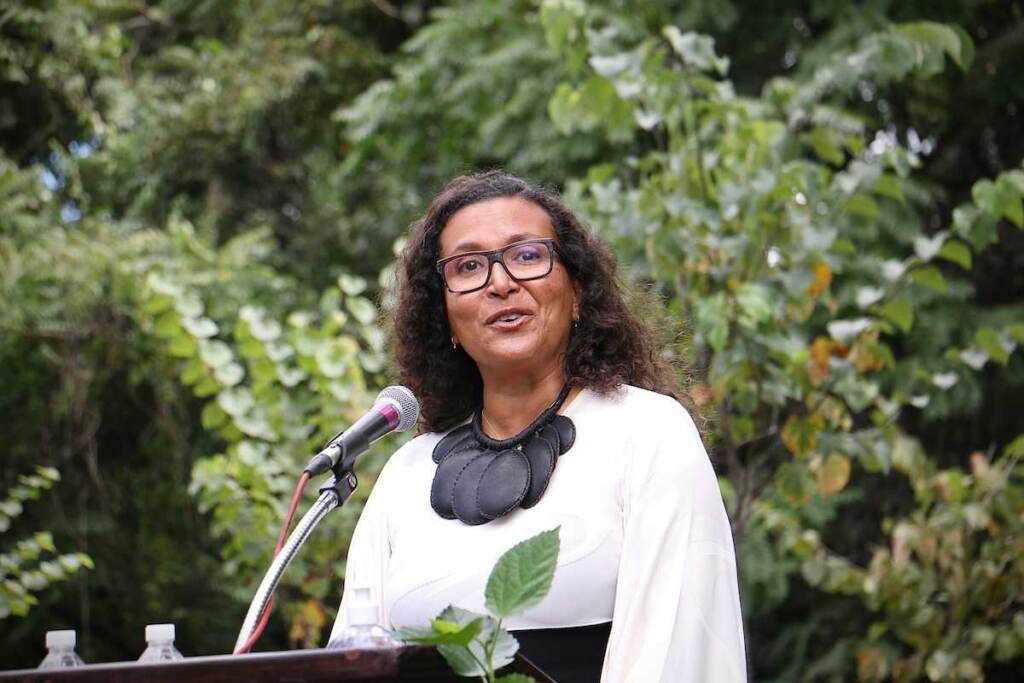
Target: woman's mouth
{"x": 509, "y": 319}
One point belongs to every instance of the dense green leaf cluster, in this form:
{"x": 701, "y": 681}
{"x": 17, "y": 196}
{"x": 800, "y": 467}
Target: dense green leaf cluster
{"x": 794, "y": 245}
{"x": 27, "y": 569}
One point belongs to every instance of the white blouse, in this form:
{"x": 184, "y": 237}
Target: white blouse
{"x": 645, "y": 544}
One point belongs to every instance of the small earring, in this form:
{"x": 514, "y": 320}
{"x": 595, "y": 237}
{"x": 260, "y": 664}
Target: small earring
{"x": 455, "y": 344}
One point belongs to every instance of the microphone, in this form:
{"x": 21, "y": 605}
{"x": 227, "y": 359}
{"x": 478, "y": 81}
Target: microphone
{"x": 395, "y": 409}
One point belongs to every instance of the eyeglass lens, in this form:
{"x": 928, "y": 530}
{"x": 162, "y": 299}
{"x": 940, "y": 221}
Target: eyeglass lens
{"x": 522, "y": 261}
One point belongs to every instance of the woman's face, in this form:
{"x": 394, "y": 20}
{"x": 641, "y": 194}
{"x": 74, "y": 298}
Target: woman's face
{"x": 509, "y": 325}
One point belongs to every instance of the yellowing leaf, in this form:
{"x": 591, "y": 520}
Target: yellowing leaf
{"x": 833, "y": 474}
{"x": 819, "y": 364}
{"x": 822, "y": 279}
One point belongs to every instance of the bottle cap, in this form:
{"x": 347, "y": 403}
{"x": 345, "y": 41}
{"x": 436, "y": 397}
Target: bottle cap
{"x": 60, "y": 639}
{"x": 159, "y": 632}
{"x": 362, "y": 611}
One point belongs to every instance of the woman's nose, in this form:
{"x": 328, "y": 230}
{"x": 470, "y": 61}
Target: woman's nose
{"x": 501, "y": 282}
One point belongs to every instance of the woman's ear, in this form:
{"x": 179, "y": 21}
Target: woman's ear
{"x": 576, "y": 298}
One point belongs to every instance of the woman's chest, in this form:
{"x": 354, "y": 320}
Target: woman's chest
{"x": 435, "y": 562}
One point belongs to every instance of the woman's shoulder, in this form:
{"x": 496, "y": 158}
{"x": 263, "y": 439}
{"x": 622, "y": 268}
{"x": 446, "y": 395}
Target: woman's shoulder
{"x": 418, "y": 450}
{"x": 646, "y": 404}
{"x": 656, "y": 424}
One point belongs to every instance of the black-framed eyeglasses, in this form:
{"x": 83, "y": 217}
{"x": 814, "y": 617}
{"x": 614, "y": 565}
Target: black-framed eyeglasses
{"x": 470, "y": 271}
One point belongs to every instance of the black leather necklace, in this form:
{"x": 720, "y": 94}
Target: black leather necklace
{"x": 479, "y": 479}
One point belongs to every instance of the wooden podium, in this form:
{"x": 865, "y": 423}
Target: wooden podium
{"x": 409, "y": 663}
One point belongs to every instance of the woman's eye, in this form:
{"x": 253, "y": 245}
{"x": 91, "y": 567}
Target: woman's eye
{"x": 526, "y": 254}
{"x": 467, "y": 266}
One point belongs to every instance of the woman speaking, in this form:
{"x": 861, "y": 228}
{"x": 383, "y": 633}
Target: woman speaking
{"x": 544, "y": 403}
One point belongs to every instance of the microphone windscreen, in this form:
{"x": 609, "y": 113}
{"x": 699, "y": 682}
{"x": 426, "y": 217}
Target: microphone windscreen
{"x": 406, "y": 404}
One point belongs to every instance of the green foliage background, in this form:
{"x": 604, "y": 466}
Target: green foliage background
{"x": 199, "y": 206}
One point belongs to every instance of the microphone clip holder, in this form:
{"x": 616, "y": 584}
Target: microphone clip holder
{"x": 332, "y": 494}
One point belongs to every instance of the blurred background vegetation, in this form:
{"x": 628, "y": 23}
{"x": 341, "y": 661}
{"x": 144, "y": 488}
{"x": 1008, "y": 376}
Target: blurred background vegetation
{"x": 199, "y": 207}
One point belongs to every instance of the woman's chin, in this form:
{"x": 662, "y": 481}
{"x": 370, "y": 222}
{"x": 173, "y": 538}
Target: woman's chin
{"x": 514, "y": 354}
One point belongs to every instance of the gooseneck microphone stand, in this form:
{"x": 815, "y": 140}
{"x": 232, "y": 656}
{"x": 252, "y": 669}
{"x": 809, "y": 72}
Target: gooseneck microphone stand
{"x": 332, "y": 494}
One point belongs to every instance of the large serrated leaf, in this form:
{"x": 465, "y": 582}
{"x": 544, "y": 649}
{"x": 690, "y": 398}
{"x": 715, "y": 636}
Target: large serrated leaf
{"x": 522, "y": 576}
{"x": 466, "y": 660}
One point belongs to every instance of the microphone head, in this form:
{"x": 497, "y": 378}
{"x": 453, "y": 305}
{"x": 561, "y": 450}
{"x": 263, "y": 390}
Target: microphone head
{"x": 404, "y": 402}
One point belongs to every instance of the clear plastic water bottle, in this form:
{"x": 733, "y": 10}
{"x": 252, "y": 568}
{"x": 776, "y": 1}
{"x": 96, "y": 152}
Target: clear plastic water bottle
{"x": 363, "y": 632}
{"x": 160, "y": 644}
{"x": 61, "y": 655}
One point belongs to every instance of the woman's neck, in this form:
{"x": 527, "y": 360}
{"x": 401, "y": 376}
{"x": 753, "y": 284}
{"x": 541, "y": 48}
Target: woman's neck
{"x": 510, "y": 406}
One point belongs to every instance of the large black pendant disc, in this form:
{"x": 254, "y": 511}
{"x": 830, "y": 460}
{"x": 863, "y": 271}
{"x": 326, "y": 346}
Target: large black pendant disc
{"x": 566, "y": 432}
{"x": 452, "y": 441}
{"x": 539, "y": 452}
{"x": 442, "y": 489}
{"x": 550, "y": 434}
{"x": 503, "y": 484}
{"x": 466, "y": 498}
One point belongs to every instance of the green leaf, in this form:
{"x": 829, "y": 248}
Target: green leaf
{"x": 1016, "y": 331}
{"x": 861, "y": 204}
{"x": 712, "y": 321}
{"x": 986, "y": 195}
{"x": 940, "y": 35}
{"x": 901, "y": 312}
{"x": 352, "y": 285}
{"x": 794, "y": 482}
{"x": 213, "y": 416}
{"x": 443, "y": 632}
{"x": 929, "y": 276}
{"x": 755, "y": 304}
{"x": 1010, "y": 201}
{"x": 1015, "y": 449}
{"x": 966, "y": 47}
{"x": 696, "y": 50}
{"x": 229, "y": 374}
{"x": 201, "y": 328}
{"x": 215, "y": 353}
{"x": 167, "y": 325}
{"x": 560, "y": 19}
{"x": 182, "y": 346}
{"x": 957, "y": 252}
{"x": 522, "y": 576}
{"x": 514, "y": 678}
{"x": 989, "y": 342}
{"x": 890, "y": 186}
{"x": 361, "y": 309}
{"x": 825, "y": 144}
{"x": 50, "y": 473}
{"x": 235, "y": 402}
{"x": 461, "y": 658}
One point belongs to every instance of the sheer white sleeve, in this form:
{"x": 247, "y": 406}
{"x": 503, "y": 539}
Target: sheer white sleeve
{"x": 368, "y": 554}
{"x": 677, "y": 610}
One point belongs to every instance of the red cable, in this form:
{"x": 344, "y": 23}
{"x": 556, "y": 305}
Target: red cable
{"x": 265, "y": 617}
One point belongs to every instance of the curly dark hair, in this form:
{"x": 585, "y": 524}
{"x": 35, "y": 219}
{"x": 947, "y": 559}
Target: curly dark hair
{"x": 611, "y": 346}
